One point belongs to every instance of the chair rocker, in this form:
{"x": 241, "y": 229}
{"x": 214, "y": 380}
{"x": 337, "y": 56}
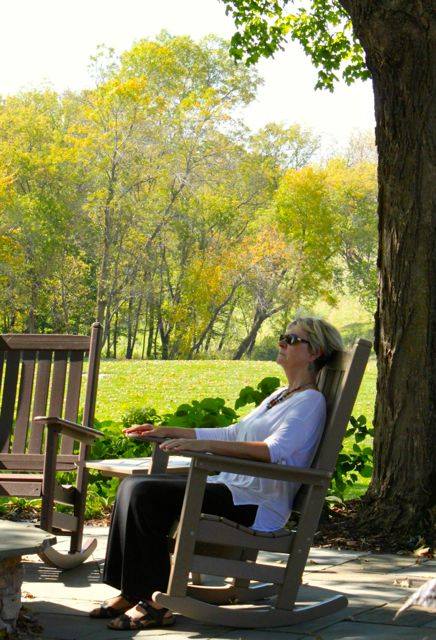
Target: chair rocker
{"x": 39, "y": 375}
{"x": 216, "y": 546}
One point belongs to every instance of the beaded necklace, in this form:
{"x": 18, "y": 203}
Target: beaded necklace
{"x": 285, "y": 394}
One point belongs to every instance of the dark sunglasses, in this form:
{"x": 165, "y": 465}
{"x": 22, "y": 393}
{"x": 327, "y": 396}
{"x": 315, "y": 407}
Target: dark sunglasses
{"x": 291, "y": 338}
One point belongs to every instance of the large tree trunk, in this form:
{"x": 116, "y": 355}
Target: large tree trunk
{"x": 399, "y": 41}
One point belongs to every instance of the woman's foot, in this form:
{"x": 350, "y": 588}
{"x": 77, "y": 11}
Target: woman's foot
{"x": 112, "y": 607}
{"x": 144, "y": 615}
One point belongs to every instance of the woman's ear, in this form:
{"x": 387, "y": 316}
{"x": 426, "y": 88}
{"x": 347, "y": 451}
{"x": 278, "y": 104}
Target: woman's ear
{"x": 315, "y": 354}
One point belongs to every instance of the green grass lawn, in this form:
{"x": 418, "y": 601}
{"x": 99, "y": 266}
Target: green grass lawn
{"x": 164, "y": 384}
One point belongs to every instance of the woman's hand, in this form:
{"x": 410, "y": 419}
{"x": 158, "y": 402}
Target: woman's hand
{"x": 160, "y": 432}
{"x": 142, "y": 430}
{"x": 185, "y": 444}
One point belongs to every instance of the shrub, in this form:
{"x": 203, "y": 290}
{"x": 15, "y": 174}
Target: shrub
{"x": 248, "y": 395}
{"x": 349, "y": 465}
{"x": 209, "y": 412}
{"x": 142, "y": 415}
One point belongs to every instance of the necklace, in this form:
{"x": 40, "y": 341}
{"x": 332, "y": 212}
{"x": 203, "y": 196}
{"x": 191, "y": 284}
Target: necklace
{"x": 285, "y": 394}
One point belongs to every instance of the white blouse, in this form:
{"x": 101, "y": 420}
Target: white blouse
{"x": 292, "y": 430}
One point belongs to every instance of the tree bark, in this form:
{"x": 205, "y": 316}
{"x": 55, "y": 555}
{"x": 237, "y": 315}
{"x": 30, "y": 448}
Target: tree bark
{"x": 115, "y": 336}
{"x": 226, "y": 326}
{"x": 399, "y": 41}
{"x": 151, "y": 332}
{"x": 250, "y": 339}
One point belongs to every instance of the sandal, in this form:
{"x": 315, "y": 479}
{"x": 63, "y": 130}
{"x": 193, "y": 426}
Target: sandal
{"x": 106, "y": 611}
{"x": 151, "y": 619}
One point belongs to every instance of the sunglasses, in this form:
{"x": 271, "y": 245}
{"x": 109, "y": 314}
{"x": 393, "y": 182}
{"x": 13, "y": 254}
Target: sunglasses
{"x": 290, "y": 338}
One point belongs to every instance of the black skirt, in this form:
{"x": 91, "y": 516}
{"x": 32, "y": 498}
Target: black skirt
{"x": 145, "y": 511}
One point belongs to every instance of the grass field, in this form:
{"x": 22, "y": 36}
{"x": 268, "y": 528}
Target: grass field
{"x": 164, "y": 384}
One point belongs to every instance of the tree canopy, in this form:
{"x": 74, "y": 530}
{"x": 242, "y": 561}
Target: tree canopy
{"x": 146, "y": 203}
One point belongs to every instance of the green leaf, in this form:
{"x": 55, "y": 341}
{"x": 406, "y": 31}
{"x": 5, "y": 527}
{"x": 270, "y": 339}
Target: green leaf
{"x": 366, "y": 472}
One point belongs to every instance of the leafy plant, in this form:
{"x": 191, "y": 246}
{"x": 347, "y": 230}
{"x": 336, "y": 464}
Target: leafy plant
{"x": 114, "y": 444}
{"x": 209, "y": 412}
{"x": 249, "y": 395}
{"x": 140, "y": 415}
{"x": 351, "y": 464}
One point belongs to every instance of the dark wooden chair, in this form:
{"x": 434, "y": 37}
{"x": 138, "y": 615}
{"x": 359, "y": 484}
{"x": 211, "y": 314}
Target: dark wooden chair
{"x": 218, "y": 547}
{"x": 41, "y": 383}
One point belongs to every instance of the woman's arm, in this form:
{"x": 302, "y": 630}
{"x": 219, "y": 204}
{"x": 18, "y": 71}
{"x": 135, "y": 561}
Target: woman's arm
{"x": 249, "y": 450}
{"x": 162, "y": 432}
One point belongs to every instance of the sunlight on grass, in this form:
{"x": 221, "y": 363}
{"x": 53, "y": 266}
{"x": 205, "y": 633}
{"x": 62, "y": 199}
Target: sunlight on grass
{"x": 164, "y": 384}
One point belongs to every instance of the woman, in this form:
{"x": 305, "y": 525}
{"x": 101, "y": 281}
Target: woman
{"x": 285, "y": 429}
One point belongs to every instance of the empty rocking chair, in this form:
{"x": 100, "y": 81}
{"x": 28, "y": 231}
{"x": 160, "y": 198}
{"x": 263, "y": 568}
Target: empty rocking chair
{"x": 41, "y": 375}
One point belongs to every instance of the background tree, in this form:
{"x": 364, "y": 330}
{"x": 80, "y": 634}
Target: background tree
{"x": 38, "y": 203}
{"x": 146, "y": 202}
{"x": 391, "y": 41}
{"x": 353, "y": 194}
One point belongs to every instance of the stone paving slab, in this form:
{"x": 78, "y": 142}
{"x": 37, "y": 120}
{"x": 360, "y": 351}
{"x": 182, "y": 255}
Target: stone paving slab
{"x": 431, "y": 624}
{"x": 63, "y": 626}
{"x": 366, "y": 580}
{"x": 83, "y": 582}
{"x": 318, "y": 558}
{"x": 62, "y": 600}
{"x": 374, "y": 563}
{"x": 413, "y": 617}
{"x": 368, "y": 631}
{"x": 423, "y": 571}
{"x": 61, "y": 606}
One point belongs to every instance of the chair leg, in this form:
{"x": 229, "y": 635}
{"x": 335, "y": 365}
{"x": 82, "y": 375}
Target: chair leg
{"x": 49, "y": 480}
{"x": 79, "y": 506}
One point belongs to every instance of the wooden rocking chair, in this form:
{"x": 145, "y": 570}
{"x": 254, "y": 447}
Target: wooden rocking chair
{"x": 39, "y": 374}
{"x": 216, "y": 546}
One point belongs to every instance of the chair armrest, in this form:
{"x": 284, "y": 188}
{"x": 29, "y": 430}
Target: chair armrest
{"x": 211, "y": 462}
{"x": 68, "y": 428}
{"x": 150, "y": 438}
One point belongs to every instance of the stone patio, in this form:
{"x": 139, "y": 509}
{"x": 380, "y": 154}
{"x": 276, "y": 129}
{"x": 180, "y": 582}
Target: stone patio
{"x": 376, "y": 586}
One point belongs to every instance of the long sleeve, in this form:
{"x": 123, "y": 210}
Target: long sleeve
{"x": 230, "y": 434}
{"x": 298, "y": 434}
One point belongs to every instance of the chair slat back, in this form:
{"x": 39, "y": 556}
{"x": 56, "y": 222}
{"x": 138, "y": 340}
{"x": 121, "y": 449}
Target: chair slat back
{"x": 345, "y": 375}
{"x": 73, "y": 396}
{"x": 43, "y": 376}
{"x": 2, "y": 361}
{"x": 24, "y": 401}
{"x": 57, "y": 386}
{"x": 40, "y": 399}
{"x": 9, "y": 392}
{"x": 339, "y": 381}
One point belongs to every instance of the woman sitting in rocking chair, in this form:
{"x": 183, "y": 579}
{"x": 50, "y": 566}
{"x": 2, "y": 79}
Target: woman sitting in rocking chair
{"x": 285, "y": 429}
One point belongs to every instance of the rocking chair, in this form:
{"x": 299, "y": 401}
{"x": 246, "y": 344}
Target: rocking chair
{"x": 219, "y": 547}
{"x": 39, "y": 374}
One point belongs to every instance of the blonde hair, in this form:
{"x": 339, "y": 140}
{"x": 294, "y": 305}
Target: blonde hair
{"x": 321, "y": 335}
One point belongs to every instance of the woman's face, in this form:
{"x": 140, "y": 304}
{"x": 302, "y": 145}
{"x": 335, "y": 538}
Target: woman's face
{"x": 298, "y": 355}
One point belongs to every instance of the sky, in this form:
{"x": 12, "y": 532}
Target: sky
{"x": 49, "y": 42}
